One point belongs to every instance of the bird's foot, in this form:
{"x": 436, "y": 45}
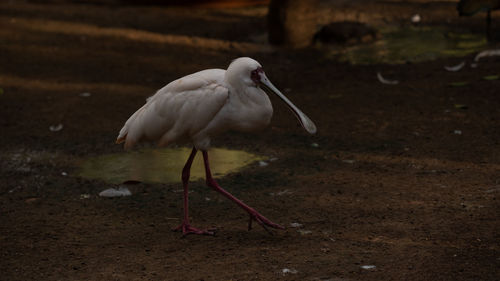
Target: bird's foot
{"x": 188, "y": 229}
{"x": 263, "y": 221}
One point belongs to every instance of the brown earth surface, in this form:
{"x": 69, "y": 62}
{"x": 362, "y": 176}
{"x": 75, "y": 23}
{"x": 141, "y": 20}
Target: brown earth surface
{"x": 405, "y": 177}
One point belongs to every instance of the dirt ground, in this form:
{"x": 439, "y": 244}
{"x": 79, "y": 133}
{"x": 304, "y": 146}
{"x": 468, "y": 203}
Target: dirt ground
{"x": 403, "y": 177}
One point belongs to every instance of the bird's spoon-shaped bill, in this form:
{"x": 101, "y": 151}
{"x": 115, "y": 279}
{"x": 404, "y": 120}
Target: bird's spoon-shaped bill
{"x": 307, "y": 123}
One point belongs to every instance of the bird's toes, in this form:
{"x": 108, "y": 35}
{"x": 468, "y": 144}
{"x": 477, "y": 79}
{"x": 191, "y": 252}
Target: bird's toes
{"x": 262, "y": 221}
{"x": 198, "y": 232}
{"x": 188, "y": 229}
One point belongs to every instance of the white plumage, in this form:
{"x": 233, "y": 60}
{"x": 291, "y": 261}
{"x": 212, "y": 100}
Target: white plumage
{"x": 182, "y": 110}
{"x": 201, "y": 105}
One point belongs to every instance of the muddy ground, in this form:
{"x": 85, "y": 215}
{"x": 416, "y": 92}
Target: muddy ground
{"x": 405, "y": 177}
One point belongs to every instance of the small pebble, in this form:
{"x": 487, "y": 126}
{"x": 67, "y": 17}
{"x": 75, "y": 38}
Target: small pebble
{"x": 415, "y": 18}
{"x": 85, "y": 95}
{"x": 368, "y": 267}
{"x": 56, "y": 128}
{"x": 289, "y": 270}
{"x": 112, "y": 192}
{"x": 84, "y": 196}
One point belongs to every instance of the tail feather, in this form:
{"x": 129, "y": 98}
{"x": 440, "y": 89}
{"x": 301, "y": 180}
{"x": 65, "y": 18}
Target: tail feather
{"x": 120, "y": 140}
{"x": 122, "y": 136}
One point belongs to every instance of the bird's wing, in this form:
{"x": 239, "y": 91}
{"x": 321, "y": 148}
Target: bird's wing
{"x": 178, "y": 110}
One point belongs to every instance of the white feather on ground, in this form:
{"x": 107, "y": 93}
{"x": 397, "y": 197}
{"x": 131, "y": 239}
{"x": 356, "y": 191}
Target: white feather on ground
{"x": 386, "y": 81}
{"x": 455, "y": 68}
{"x": 487, "y": 53}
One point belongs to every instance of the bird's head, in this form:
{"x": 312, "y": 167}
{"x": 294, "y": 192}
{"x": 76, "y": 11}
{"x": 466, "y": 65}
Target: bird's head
{"x": 250, "y": 73}
{"x": 244, "y": 71}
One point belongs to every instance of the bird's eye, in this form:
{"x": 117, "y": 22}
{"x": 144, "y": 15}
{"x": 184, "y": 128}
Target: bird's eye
{"x": 255, "y": 74}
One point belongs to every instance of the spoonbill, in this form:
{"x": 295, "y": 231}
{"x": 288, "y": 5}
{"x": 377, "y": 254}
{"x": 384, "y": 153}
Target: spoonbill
{"x": 201, "y": 105}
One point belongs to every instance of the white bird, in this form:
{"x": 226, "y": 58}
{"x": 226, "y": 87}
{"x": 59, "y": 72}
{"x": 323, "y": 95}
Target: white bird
{"x": 201, "y": 105}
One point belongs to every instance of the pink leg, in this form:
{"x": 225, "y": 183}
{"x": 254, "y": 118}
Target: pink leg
{"x": 185, "y": 227}
{"x": 254, "y": 215}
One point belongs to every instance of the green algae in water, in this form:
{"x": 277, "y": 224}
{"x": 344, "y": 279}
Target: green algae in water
{"x": 491, "y": 77}
{"x": 411, "y": 44}
{"x": 162, "y": 165}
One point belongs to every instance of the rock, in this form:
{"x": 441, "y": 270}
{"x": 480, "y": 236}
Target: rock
{"x": 347, "y": 32}
{"x": 294, "y": 23}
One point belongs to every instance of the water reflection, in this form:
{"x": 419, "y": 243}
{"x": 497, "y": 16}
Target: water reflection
{"x": 411, "y": 44}
{"x": 162, "y": 165}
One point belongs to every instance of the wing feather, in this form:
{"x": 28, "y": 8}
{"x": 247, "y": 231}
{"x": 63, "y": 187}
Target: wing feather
{"x": 179, "y": 110}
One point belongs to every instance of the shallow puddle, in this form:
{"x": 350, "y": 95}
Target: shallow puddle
{"x": 162, "y": 165}
{"x": 411, "y": 44}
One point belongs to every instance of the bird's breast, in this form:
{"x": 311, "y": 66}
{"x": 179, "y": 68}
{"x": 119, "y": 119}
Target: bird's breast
{"x": 250, "y": 112}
